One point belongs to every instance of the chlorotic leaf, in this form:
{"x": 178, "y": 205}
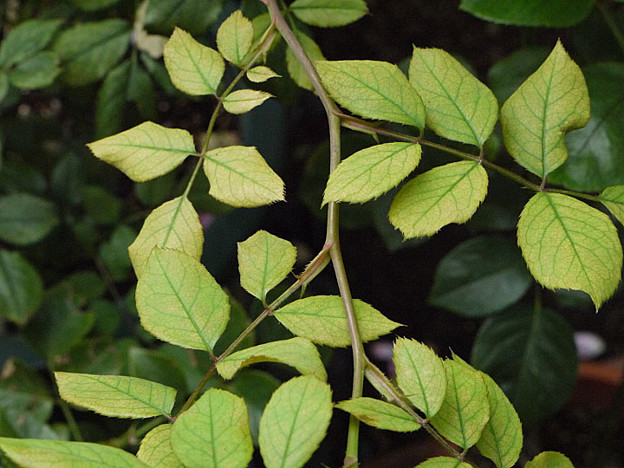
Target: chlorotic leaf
{"x": 549, "y": 460}
{"x": 443, "y": 462}
{"x": 543, "y": 376}
{"x": 146, "y": 151}
{"x": 260, "y": 74}
{"x": 116, "y": 395}
{"x": 194, "y": 68}
{"x": 420, "y": 375}
{"x": 501, "y": 440}
{"x": 613, "y": 198}
{"x": 443, "y": 195}
{"x": 569, "y": 245}
{"x": 321, "y": 319}
{"x": 156, "y": 451}
{"x": 294, "y": 422}
{"x": 239, "y": 176}
{"x": 244, "y": 100}
{"x": 180, "y": 302}
{"x": 34, "y": 453}
{"x": 296, "y": 352}
{"x": 26, "y": 39}
{"x": 173, "y": 225}
{"x": 371, "y": 172}
{"x": 329, "y": 13}
{"x": 25, "y": 218}
{"x": 295, "y": 70}
{"x": 458, "y": 106}
{"x": 214, "y": 432}
{"x": 480, "y": 276}
{"x": 235, "y": 37}
{"x": 264, "y": 260}
{"x": 551, "y": 102}
{"x": 379, "y": 414}
{"x": 373, "y": 90}
{"x": 89, "y": 50}
{"x": 21, "y": 287}
{"x": 465, "y": 410}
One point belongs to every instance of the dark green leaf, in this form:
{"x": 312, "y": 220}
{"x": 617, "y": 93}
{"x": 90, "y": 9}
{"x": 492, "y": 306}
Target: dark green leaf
{"x": 114, "y": 252}
{"x": 89, "y": 50}
{"x": 21, "y": 287}
{"x": 24, "y": 390}
{"x": 25, "y": 219}
{"x": 506, "y": 75}
{"x": 480, "y": 276}
{"x": 193, "y": 16}
{"x": 155, "y": 366}
{"x": 17, "y": 176}
{"x": 36, "y": 72}
{"x": 141, "y": 91}
{"x": 596, "y": 152}
{"x": 26, "y": 40}
{"x": 5, "y": 85}
{"x": 553, "y": 13}
{"x": 92, "y": 5}
{"x": 83, "y": 287}
{"x": 111, "y": 101}
{"x": 102, "y": 206}
{"x": 541, "y": 375}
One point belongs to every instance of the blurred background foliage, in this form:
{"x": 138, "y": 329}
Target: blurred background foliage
{"x": 73, "y": 71}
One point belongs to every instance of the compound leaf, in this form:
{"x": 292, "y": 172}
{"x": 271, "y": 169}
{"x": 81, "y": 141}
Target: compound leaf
{"x": 329, "y": 13}
{"x": 459, "y": 107}
{"x": 294, "y": 422}
{"x": 465, "y": 410}
{"x": 244, "y": 100}
{"x": 34, "y": 453}
{"x": 297, "y": 352}
{"x": 239, "y": 176}
{"x": 180, "y": 302}
{"x": 321, "y": 319}
{"x": 194, "y": 68}
{"x": 420, "y": 375}
{"x": 569, "y": 245}
{"x": 501, "y": 440}
{"x": 446, "y": 194}
{"x": 613, "y": 198}
{"x": 156, "y": 451}
{"x": 379, "y": 414}
{"x": 88, "y": 50}
{"x": 116, "y": 395}
{"x": 264, "y": 260}
{"x": 235, "y": 37}
{"x": 371, "y": 172}
{"x": 373, "y": 90}
{"x": 173, "y": 225}
{"x": 535, "y": 119}
{"x": 146, "y": 151}
{"x": 21, "y": 287}
{"x": 550, "y": 460}
{"x": 214, "y": 432}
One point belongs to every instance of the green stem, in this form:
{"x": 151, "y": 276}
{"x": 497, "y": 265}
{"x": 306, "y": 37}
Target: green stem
{"x": 613, "y": 27}
{"x": 71, "y": 421}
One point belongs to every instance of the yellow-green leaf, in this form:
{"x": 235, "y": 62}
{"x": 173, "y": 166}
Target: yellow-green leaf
{"x": 420, "y": 375}
{"x": 550, "y": 460}
{"x": 116, "y": 395}
{"x": 180, "y": 302}
{"x": 244, "y": 100}
{"x": 295, "y": 70}
{"x": 264, "y": 260}
{"x": 294, "y": 422}
{"x": 465, "y": 410}
{"x": 501, "y": 440}
{"x": 214, "y": 432}
{"x": 535, "y": 119}
{"x": 371, "y": 172}
{"x": 613, "y": 198}
{"x": 459, "y": 107}
{"x": 446, "y": 194}
{"x": 239, "y": 176}
{"x": 235, "y": 37}
{"x": 569, "y": 245}
{"x": 329, "y": 13}
{"x": 321, "y": 319}
{"x": 260, "y": 74}
{"x": 443, "y": 462}
{"x": 296, "y": 352}
{"x": 379, "y": 414}
{"x": 173, "y": 225}
{"x": 36, "y": 453}
{"x": 194, "y": 68}
{"x": 373, "y": 90}
{"x": 156, "y": 451}
{"x": 146, "y": 151}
